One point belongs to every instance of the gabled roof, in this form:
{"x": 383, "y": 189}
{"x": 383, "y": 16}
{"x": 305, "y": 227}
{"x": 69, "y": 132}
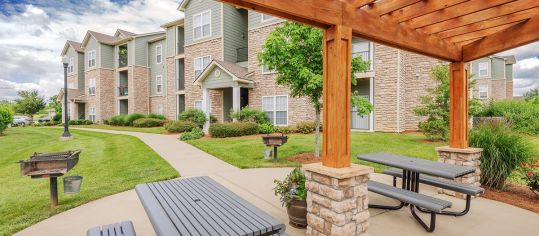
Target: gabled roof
{"x": 178, "y": 22}
{"x": 238, "y": 73}
{"x": 99, "y": 37}
{"x": 76, "y": 46}
{"x": 510, "y": 60}
{"x": 183, "y": 5}
{"x": 124, "y": 33}
{"x": 72, "y": 95}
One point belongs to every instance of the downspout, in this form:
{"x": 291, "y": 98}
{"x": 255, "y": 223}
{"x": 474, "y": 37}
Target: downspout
{"x": 398, "y": 90}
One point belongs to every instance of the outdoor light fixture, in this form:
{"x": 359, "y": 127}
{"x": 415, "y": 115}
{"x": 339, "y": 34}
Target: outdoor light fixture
{"x": 66, "y": 134}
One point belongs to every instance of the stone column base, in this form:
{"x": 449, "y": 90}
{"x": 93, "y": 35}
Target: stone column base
{"x": 337, "y": 201}
{"x": 461, "y": 157}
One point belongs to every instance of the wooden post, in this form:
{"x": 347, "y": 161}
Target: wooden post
{"x": 54, "y": 191}
{"x": 458, "y": 105}
{"x": 337, "y": 46}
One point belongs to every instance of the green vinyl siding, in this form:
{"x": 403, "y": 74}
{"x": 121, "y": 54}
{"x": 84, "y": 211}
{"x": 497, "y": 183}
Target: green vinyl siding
{"x": 223, "y": 81}
{"x": 157, "y": 69}
{"x": 475, "y": 67}
{"x": 255, "y": 20}
{"x": 71, "y": 53}
{"x": 498, "y": 68}
{"x": 235, "y": 32}
{"x": 171, "y": 40}
{"x": 80, "y": 70}
{"x": 141, "y": 49}
{"x": 91, "y": 46}
{"x": 195, "y": 7}
{"x": 509, "y": 71}
{"x": 107, "y": 56}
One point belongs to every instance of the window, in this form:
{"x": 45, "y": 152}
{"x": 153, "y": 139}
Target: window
{"x": 91, "y": 59}
{"x": 483, "y": 69}
{"x": 483, "y": 91}
{"x": 276, "y": 108}
{"x": 159, "y": 84}
{"x": 200, "y": 64}
{"x": 159, "y": 109}
{"x": 91, "y": 86}
{"x": 202, "y": 25}
{"x": 70, "y": 66}
{"x": 267, "y": 17}
{"x": 266, "y": 70}
{"x": 198, "y": 104}
{"x": 92, "y": 114}
{"x": 158, "y": 54}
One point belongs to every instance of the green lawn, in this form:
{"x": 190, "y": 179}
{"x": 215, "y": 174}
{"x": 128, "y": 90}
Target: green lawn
{"x": 109, "y": 164}
{"x": 153, "y": 130}
{"x": 247, "y": 152}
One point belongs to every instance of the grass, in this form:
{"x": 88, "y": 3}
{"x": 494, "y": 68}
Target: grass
{"x": 109, "y": 164}
{"x": 152, "y": 130}
{"x": 247, "y": 152}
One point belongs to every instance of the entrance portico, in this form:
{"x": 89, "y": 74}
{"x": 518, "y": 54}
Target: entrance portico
{"x": 232, "y": 83}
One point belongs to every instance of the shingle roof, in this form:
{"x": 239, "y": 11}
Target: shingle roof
{"x": 127, "y": 33}
{"x": 75, "y": 45}
{"x": 510, "y": 60}
{"x": 238, "y": 71}
{"x": 103, "y": 38}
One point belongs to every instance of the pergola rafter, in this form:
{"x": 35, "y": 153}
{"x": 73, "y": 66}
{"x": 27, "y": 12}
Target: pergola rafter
{"x": 457, "y": 31}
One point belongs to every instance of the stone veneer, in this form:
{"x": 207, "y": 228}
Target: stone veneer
{"x": 461, "y": 157}
{"x": 337, "y": 199}
{"x": 139, "y": 89}
{"x": 171, "y": 101}
{"x": 299, "y": 109}
{"x": 103, "y": 100}
{"x": 498, "y": 89}
{"x": 155, "y": 102}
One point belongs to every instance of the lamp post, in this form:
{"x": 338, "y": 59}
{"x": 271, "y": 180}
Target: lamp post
{"x": 66, "y": 134}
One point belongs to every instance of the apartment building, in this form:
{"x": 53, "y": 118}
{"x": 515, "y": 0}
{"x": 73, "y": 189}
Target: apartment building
{"x": 208, "y": 60}
{"x": 494, "y": 77}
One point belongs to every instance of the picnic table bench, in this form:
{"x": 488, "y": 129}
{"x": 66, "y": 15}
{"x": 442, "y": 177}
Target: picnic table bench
{"x": 201, "y": 206}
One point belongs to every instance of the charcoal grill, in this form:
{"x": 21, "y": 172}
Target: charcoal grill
{"x": 50, "y": 165}
{"x": 275, "y": 141}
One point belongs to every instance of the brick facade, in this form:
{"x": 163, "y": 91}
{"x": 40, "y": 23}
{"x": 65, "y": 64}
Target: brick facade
{"x": 155, "y": 102}
{"x": 139, "y": 89}
{"x": 171, "y": 103}
{"x": 498, "y": 89}
{"x": 103, "y": 100}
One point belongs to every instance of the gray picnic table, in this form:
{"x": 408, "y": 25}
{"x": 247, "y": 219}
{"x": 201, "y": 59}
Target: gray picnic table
{"x": 201, "y": 206}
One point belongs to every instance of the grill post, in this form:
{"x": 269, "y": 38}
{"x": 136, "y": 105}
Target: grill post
{"x": 54, "y": 191}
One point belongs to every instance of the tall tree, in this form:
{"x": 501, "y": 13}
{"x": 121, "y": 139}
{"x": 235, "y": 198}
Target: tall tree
{"x": 295, "y": 51}
{"x": 29, "y": 103}
{"x": 532, "y": 95}
{"x": 55, "y": 104}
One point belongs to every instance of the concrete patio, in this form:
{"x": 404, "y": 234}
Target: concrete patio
{"x": 486, "y": 217}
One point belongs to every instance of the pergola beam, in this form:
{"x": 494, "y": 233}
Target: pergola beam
{"x": 383, "y": 7}
{"x": 419, "y": 9}
{"x": 512, "y": 37}
{"x": 479, "y": 34}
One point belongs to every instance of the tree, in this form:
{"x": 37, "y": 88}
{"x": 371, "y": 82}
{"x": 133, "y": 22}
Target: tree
{"x": 6, "y": 117}
{"x": 55, "y": 104}
{"x": 29, "y": 103}
{"x": 436, "y": 105}
{"x": 532, "y": 95}
{"x": 295, "y": 52}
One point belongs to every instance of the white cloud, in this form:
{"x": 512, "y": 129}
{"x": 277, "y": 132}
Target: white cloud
{"x": 32, "y": 38}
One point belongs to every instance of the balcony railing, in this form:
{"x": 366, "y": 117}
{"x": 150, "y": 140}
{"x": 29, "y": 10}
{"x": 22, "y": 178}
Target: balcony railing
{"x": 179, "y": 48}
{"x": 365, "y": 55}
{"x": 241, "y": 54}
{"x": 122, "y": 61}
{"x": 123, "y": 91}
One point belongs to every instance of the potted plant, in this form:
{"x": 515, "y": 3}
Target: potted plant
{"x": 291, "y": 191}
{"x": 532, "y": 179}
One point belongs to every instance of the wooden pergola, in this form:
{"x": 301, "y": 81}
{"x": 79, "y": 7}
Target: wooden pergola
{"x": 457, "y": 31}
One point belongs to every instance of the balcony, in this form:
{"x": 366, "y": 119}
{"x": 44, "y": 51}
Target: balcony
{"x": 123, "y": 91}
{"x": 365, "y": 55}
{"x": 242, "y": 54}
{"x": 179, "y": 48}
{"x": 122, "y": 61}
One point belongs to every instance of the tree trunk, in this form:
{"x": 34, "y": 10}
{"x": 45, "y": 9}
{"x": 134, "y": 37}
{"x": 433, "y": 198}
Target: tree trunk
{"x": 317, "y": 132}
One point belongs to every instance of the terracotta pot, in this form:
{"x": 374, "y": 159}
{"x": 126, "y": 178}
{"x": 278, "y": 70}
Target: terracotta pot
{"x": 297, "y": 213}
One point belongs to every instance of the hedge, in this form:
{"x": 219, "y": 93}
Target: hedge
{"x": 196, "y": 133}
{"x": 233, "y": 129}
{"x": 194, "y": 115}
{"x": 148, "y": 122}
{"x": 80, "y": 122}
{"x": 180, "y": 126}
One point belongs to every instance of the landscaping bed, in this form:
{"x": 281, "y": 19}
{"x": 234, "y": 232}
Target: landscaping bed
{"x": 152, "y": 130}
{"x": 109, "y": 164}
{"x": 516, "y": 195}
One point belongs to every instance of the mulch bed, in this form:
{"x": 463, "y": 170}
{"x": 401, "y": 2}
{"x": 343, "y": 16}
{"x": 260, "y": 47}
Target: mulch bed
{"x": 519, "y": 196}
{"x": 304, "y": 158}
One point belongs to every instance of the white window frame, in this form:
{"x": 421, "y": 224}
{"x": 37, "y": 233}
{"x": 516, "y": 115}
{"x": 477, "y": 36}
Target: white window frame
{"x": 159, "y": 84}
{"x": 159, "y": 54}
{"x": 479, "y": 69}
{"x": 203, "y": 67}
{"x": 274, "y": 97}
{"x": 267, "y": 19}
{"x": 71, "y": 65}
{"x": 485, "y": 86}
{"x": 195, "y": 104}
{"x": 92, "y": 114}
{"x": 201, "y": 26}
{"x": 92, "y": 87}
{"x": 91, "y": 58}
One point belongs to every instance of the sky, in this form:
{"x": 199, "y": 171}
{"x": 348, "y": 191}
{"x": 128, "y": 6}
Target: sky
{"x": 33, "y": 33}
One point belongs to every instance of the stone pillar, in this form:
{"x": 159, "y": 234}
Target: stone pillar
{"x": 236, "y": 97}
{"x": 337, "y": 201}
{"x": 461, "y": 157}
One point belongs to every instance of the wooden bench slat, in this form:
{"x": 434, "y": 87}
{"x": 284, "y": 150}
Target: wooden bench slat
{"x": 235, "y": 227}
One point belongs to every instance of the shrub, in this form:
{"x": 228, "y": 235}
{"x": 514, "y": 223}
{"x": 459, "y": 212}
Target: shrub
{"x": 156, "y": 116}
{"x": 80, "y": 122}
{"x": 148, "y": 122}
{"x": 250, "y": 115}
{"x": 532, "y": 180}
{"x": 434, "y": 129}
{"x": 503, "y": 151}
{"x": 196, "y": 133}
{"x": 213, "y": 119}
{"x": 180, "y": 126}
{"x": 286, "y": 129}
{"x": 306, "y": 127}
{"x": 6, "y": 118}
{"x": 57, "y": 117}
{"x": 266, "y": 128}
{"x": 118, "y": 120}
{"x": 129, "y": 119}
{"x": 233, "y": 129}
{"x": 194, "y": 115}
{"x": 49, "y": 123}
{"x": 523, "y": 116}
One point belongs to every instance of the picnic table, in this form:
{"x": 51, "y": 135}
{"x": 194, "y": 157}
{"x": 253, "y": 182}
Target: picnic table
{"x": 408, "y": 194}
{"x": 201, "y": 206}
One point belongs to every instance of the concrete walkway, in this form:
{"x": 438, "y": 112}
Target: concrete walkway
{"x": 255, "y": 185}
